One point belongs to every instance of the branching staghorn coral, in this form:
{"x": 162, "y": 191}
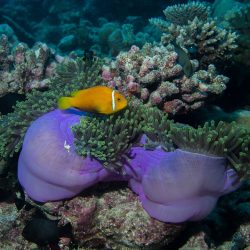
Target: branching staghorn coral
{"x": 221, "y": 139}
{"x": 203, "y": 37}
{"x": 24, "y": 69}
{"x": 71, "y": 76}
{"x": 182, "y": 13}
{"x": 153, "y": 74}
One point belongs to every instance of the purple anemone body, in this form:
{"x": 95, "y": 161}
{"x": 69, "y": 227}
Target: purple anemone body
{"x": 180, "y": 185}
{"x": 172, "y": 186}
{"x": 47, "y": 168}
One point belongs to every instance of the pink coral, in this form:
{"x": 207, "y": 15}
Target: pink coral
{"x": 154, "y": 75}
{"x": 23, "y": 69}
{"x": 133, "y": 87}
{"x": 144, "y": 94}
{"x": 155, "y": 98}
{"x": 106, "y": 74}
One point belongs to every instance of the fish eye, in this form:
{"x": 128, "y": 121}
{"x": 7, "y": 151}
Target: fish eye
{"x": 118, "y": 99}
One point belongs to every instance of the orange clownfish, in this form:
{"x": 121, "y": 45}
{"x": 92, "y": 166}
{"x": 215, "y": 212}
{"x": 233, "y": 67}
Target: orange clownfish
{"x": 98, "y": 99}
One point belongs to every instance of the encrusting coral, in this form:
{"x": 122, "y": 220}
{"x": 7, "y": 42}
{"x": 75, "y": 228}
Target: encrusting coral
{"x": 65, "y": 152}
{"x": 109, "y": 214}
{"x": 155, "y": 76}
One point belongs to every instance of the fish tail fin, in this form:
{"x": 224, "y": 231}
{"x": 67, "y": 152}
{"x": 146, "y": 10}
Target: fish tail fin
{"x": 64, "y": 102}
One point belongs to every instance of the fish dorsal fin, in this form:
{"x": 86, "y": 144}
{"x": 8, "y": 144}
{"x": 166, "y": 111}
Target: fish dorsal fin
{"x": 113, "y": 100}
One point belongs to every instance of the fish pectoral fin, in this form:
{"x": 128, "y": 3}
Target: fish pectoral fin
{"x": 64, "y": 103}
{"x": 102, "y": 109}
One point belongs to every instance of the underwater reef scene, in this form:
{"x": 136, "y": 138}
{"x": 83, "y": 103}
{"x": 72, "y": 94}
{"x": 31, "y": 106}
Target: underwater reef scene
{"x": 125, "y": 124}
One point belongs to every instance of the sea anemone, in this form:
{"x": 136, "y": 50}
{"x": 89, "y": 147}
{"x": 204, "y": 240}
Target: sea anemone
{"x": 48, "y": 167}
{"x": 62, "y": 155}
{"x": 180, "y": 186}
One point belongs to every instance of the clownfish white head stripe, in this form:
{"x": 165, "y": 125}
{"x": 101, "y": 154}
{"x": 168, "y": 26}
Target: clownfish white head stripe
{"x": 113, "y": 100}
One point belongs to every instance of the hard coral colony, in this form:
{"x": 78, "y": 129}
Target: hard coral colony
{"x": 178, "y": 172}
{"x": 178, "y": 74}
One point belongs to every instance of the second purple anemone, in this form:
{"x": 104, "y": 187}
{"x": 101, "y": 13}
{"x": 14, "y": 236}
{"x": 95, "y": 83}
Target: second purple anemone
{"x": 180, "y": 186}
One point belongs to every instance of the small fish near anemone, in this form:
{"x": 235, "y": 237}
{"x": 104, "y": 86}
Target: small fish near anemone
{"x": 43, "y": 232}
{"x": 98, "y": 99}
